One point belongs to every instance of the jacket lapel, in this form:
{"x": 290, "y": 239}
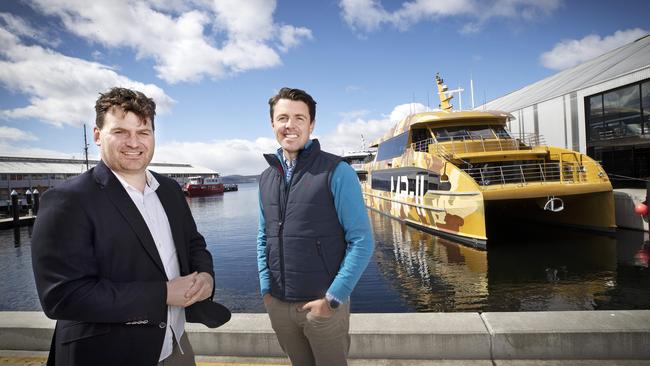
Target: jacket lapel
{"x": 118, "y": 196}
{"x": 173, "y": 210}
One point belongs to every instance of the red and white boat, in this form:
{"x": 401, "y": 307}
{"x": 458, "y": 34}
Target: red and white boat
{"x": 203, "y": 186}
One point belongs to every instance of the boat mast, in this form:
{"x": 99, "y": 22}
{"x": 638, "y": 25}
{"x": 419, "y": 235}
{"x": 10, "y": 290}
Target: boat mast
{"x": 445, "y": 105}
{"x": 86, "y": 147}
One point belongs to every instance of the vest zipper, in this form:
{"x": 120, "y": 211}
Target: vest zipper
{"x": 283, "y": 214}
{"x": 283, "y": 210}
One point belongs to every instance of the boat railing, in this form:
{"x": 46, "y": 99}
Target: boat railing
{"x": 449, "y": 146}
{"x": 564, "y": 172}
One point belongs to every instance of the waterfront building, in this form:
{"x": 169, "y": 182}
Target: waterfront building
{"x": 600, "y": 107}
{"x": 29, "y": 173}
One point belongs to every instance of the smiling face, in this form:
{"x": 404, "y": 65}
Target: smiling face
{"x": 126, "y": 143}
{"x": 292, "y": 126}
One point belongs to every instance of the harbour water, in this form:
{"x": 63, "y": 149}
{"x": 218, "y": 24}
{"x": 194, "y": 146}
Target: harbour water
{"x": 525, "y": 269}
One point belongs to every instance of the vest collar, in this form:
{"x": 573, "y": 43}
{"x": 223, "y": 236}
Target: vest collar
{"x": 311, "y": 149}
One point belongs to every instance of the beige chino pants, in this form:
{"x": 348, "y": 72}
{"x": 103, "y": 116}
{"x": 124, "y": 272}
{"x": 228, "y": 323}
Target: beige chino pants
{"x": 311, "y": 340}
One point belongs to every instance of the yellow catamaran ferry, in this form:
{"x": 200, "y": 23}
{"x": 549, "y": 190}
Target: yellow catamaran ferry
{"x": 450, "y": 172}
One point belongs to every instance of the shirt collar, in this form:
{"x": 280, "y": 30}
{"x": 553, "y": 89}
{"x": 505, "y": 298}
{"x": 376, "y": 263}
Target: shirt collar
{"x": 152, "y": 183}
{"x": 288, "y": 162}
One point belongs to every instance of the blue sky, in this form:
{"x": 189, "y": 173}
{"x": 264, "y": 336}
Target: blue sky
{"x": 211, "y": 65}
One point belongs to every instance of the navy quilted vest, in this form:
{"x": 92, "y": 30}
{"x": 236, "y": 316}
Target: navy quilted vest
{"x": 305, "y": 243}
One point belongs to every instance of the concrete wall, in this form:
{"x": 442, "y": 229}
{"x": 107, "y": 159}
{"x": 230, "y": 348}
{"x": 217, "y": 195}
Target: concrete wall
{"x": 433, "y": 336}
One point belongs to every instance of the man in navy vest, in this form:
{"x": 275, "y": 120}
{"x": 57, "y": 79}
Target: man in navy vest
{"x": 314, "y": 239}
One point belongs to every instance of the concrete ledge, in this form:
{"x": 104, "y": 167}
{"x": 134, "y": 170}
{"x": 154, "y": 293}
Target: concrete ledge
{"x": 570, "y": 335}
{"x": 25, "y": 331}
{"x": 577, "y": 335}
{"x": 419, "y": 336}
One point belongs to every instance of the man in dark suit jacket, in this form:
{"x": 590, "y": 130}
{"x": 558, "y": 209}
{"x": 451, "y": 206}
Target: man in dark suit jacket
{"x": 116, "y": 254}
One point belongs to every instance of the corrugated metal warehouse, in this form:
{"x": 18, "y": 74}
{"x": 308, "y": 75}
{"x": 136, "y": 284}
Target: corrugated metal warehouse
{"x": 601, "y": 107}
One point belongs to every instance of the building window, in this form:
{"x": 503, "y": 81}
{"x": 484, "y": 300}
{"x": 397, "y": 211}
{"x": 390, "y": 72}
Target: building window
{"x": 645, "y": 106}
{"x": 618, "y": 132}
{"x": 618, "y": 113}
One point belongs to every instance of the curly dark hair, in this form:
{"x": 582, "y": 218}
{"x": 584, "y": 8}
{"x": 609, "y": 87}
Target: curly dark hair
{"x": 294, "y": 94}
{"x": 127, "y": 100}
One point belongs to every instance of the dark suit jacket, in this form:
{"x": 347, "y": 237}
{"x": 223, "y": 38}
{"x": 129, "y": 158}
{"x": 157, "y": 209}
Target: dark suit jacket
{"x": 98, "y": 271}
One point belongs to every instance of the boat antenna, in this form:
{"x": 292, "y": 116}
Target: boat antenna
{"x": 471, "y": 88}
{"x": 445, "y": 105}
{"x": 412, "y": 102}
{"x": 86, "y": 147}
{"x": 363, "y": 143}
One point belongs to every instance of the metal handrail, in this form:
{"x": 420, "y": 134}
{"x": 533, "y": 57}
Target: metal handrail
{"x": 465, "y": 144}
{"x": 566, "y": 172}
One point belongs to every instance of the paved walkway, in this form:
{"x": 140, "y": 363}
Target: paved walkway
{"x": 21, "y": 358}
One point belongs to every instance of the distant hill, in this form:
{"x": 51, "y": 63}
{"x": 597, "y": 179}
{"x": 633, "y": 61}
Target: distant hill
{"x": 229, "y": 179}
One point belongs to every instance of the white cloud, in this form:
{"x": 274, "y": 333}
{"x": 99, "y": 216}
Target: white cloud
{"x": 14, "y": 134}
{"x": 291, "y": 36}
{"x": 571, "y": 52}
{"x": 363, "y": 15}
{"x": 369, "y": 15}
{"x": 61, "y": 89}
{"x": 219, "y": 37}
{"x": 21, "y": 28}
{"x": 237, "y": 156}
{"x": 347, "y": 135}
{"x": 8, "y": 149}
{"x": 353, "y": 89}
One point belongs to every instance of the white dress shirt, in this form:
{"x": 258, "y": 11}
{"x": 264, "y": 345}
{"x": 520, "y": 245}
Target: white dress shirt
{"x": 154, "y": 215}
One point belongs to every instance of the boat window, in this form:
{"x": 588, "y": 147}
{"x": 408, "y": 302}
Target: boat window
{"x": 393, "y": 147}
{"x": 480, "y": 132}
{"x": 450, "y": 133}
{"x": 362, "y": 176}
{"x": 457, "y": 133}
{"x": 420, "y": 139}
{"x": 501, "y": 132}
{"x": 419, "y": 134}
{"x": 407, "y": 180}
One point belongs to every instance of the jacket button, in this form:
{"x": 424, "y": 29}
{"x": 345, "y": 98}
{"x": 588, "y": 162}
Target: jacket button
{"x": 162, "y": 325}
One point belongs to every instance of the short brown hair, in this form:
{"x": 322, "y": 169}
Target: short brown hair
{"x": 294, "y": 94}
{"x": 129, "y": 101}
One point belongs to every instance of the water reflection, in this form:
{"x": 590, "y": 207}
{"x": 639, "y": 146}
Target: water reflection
{"x": 528, "y": 268}
{"x": 525, "y": 268}
{"x": 432, "y": 273}
{"x": 229, "y": 224}
{"x": 17, "y": 287}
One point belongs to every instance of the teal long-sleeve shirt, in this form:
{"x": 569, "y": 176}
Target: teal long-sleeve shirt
{"x": 352, "y": 214}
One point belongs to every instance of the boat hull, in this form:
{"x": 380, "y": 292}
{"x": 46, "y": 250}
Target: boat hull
{"x": 466, "y": 217}
{"x": 457, "y": 216}
{"x": 592, "y": 211}
{"x": 202, "y": 190}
